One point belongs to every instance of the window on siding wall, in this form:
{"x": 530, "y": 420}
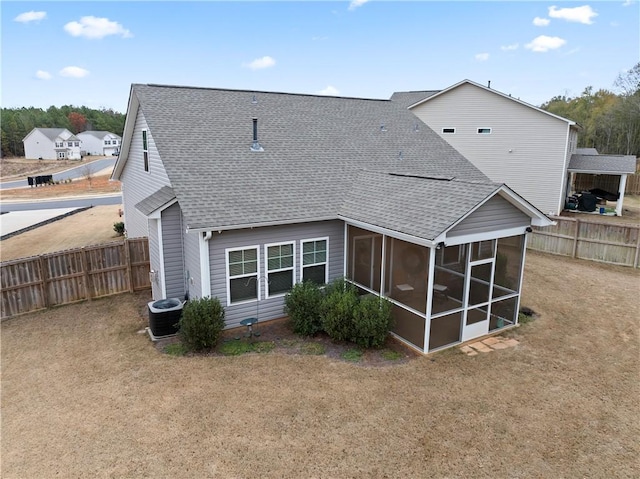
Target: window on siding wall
{"x": 145, "y": 150}
{"x": 484, "y": 131}
{"x": 279, "y": 266}
{"x": 314, "y": 260}
{"x": 242, "y": 268}
{"x": 448, "y": 130}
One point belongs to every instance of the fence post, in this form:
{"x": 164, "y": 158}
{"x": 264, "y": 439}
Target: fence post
{"x": 88, "y": 286}
{"x": 637, "y": 256}
{"x": 127, "y": 255}
{"x": 43, "y": 280}
{"x": 575, "y": 239}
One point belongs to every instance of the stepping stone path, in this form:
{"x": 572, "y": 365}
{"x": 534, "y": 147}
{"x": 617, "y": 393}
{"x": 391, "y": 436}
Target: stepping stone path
{"x": 487, "y": 345}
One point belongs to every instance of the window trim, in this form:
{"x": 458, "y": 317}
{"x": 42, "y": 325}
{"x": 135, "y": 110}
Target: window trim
{"x": 145, "y": 149}
{"x": 452, "y": 132}
{"x": 480, "y": 131}
{"x": 229, "y": 278}
{"x": 267, "y": 271}
{"x": 326, "y": 261}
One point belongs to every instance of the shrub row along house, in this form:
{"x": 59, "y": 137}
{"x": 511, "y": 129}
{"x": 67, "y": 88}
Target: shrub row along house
{"x": 61, "y": 144}
{"x": 243, "y": 194}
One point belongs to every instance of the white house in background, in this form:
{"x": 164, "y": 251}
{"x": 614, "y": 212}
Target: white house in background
{"x": 51, "y": 144}
{"x": 509, "y": 140}
{"x": 100, "y": 142}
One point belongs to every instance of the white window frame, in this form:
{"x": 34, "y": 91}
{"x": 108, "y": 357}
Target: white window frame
{"x": 480, "y": 132}
{"x": 267, "y": 271}
{"x": 325, "y": 262}
{"x": 61, "y": 155}
{"x": 449, "y": 132}
{"x": 145, "y": 150}
{"x": 229, "y": 277}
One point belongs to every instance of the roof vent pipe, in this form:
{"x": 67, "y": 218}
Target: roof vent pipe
{"x": 382, "y": 127}
{"x": 254, "y": 100}
{"x": 489, "y": 84}
{"x": 256, "y": 146}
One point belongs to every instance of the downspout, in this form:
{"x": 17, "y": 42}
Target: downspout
{"x": 205, "y": 267}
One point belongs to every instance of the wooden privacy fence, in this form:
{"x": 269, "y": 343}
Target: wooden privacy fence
{"x": 595, "y": 241}
{"x": 53, "y": 279}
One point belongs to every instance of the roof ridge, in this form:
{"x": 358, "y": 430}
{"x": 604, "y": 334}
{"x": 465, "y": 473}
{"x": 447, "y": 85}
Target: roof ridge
{"x": 235, "y": 90}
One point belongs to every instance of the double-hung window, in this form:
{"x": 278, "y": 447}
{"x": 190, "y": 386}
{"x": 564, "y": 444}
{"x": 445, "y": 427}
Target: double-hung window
{"x": 145, "y": 150}
{"x": 279, "y": 267}
{"x": 314, "y": 260}
{"x": 242, "y": 274}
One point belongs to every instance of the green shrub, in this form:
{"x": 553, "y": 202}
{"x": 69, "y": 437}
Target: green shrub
{"x": 338, "y": 307}
{"x": 201, "y": 323}
{"x": 371, "y": 320}
{"x": 302, "y": 304}
{"x": 119, "y": 228}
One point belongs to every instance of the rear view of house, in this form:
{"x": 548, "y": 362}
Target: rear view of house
{"x": 243, "y": 194}
{"x": 51, "y": 144}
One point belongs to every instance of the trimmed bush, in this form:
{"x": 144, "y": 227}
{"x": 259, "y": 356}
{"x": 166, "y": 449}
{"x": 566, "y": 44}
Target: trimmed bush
{"x": 302, "y": 305}
{"x": 371, "y": 321}
{"x": 338, "y": 307}
{"x": 119, "y": 228}
{"x": 201, "y": 323}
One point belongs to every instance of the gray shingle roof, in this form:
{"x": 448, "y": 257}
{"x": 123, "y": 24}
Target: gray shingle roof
{"x": 51, "y": 133}
{"x": 158, "y": 199}
{"x": 99, "y": 134}
{"x": 603, "y": 164}
{"x": 399, "y": 203}
{"x": 586, "y": 151}
{"x": 408, "y": 98}
{"x": 315, "y": 148}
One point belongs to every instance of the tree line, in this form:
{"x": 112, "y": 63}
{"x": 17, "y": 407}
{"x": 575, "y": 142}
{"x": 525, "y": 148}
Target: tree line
{"x": 610, "y": 120}
{"x": 18, "y": 122}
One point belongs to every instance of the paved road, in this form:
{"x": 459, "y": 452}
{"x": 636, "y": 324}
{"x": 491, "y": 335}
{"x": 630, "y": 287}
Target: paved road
{"x": 75, "y": 172}
{"x": 77, "y": 202}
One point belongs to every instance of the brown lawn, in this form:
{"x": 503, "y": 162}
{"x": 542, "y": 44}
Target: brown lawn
{"x": 81, "y": 187}
{"x": 16, "y": 168}
{"x": 85, "y": 395}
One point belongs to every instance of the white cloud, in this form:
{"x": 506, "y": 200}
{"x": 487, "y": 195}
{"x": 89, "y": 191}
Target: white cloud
{"x": 482, "y": 57}
{"x": 96, "y": 28}
{"x": 356, "y": 3}
{"x": 541, "y": 22}
{"x": 260, "y": 63}
{"x": 74, "y": 72}
{"x": 31, "y": 16}
{"x": 543, "y": 43}
{"x": 509, "y": 48}
{"x": 627, "y": 3}
{"x": 582, "y": 14}
{"x": 43, "y": 75}
{"x": 329, "y": 91}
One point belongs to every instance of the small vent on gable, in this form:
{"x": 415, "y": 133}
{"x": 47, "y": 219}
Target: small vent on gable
{"x": 256, "y": 146}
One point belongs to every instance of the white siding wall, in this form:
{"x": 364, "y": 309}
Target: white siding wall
{"x": 271, "y": 308}
{"x": 138, "y": 184}
{"x": 496, "y": 214}
{"x": 91, "y": 144}
{"x": 37, "y": 145}
{"x": 526, "y": 148}
{"x": 154, "y": 259}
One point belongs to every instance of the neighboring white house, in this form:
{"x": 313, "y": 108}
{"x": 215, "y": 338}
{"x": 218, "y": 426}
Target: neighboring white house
{"x": 509, "y": 140}
{"x": 51, "y": 144}
{"x": 100, "y": 142}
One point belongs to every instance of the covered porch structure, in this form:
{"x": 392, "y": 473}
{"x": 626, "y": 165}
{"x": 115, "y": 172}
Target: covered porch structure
{"x": 459, "y": 284}
{"x": 590, "y": 171}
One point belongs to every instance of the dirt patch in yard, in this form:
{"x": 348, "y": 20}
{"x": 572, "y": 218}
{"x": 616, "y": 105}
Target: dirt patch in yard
{"x": 98, "y": 185}
{"x": 16, "y": 168}
{"x": 84, "y": 394}
{"x": 93, "y": 226}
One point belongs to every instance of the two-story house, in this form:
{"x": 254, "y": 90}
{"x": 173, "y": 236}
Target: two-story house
{"x": 100, "y": 142}
{"x": 52, "y": 144}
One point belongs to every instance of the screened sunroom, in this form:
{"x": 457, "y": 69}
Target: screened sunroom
{"x": 441, "y": 295}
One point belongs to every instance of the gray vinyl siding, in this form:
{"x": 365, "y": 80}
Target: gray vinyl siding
{"x": 526, "y": 148}
{"x": 192, "y": 264}
{"x": 154, "y": 259}
{"x": 138, "y": 184}
{"x": 496, "y": 214}
{"x": 174, "y": 270}
{"x": 270, "y": 308}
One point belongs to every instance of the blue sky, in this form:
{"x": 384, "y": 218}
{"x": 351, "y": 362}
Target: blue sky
{"x": 89, "y": 53}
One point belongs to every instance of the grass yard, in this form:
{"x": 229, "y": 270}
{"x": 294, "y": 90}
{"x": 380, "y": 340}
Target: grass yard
{"x": 85, "y": 395}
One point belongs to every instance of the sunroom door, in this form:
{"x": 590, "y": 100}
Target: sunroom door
{"x": 479, "y": 287}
